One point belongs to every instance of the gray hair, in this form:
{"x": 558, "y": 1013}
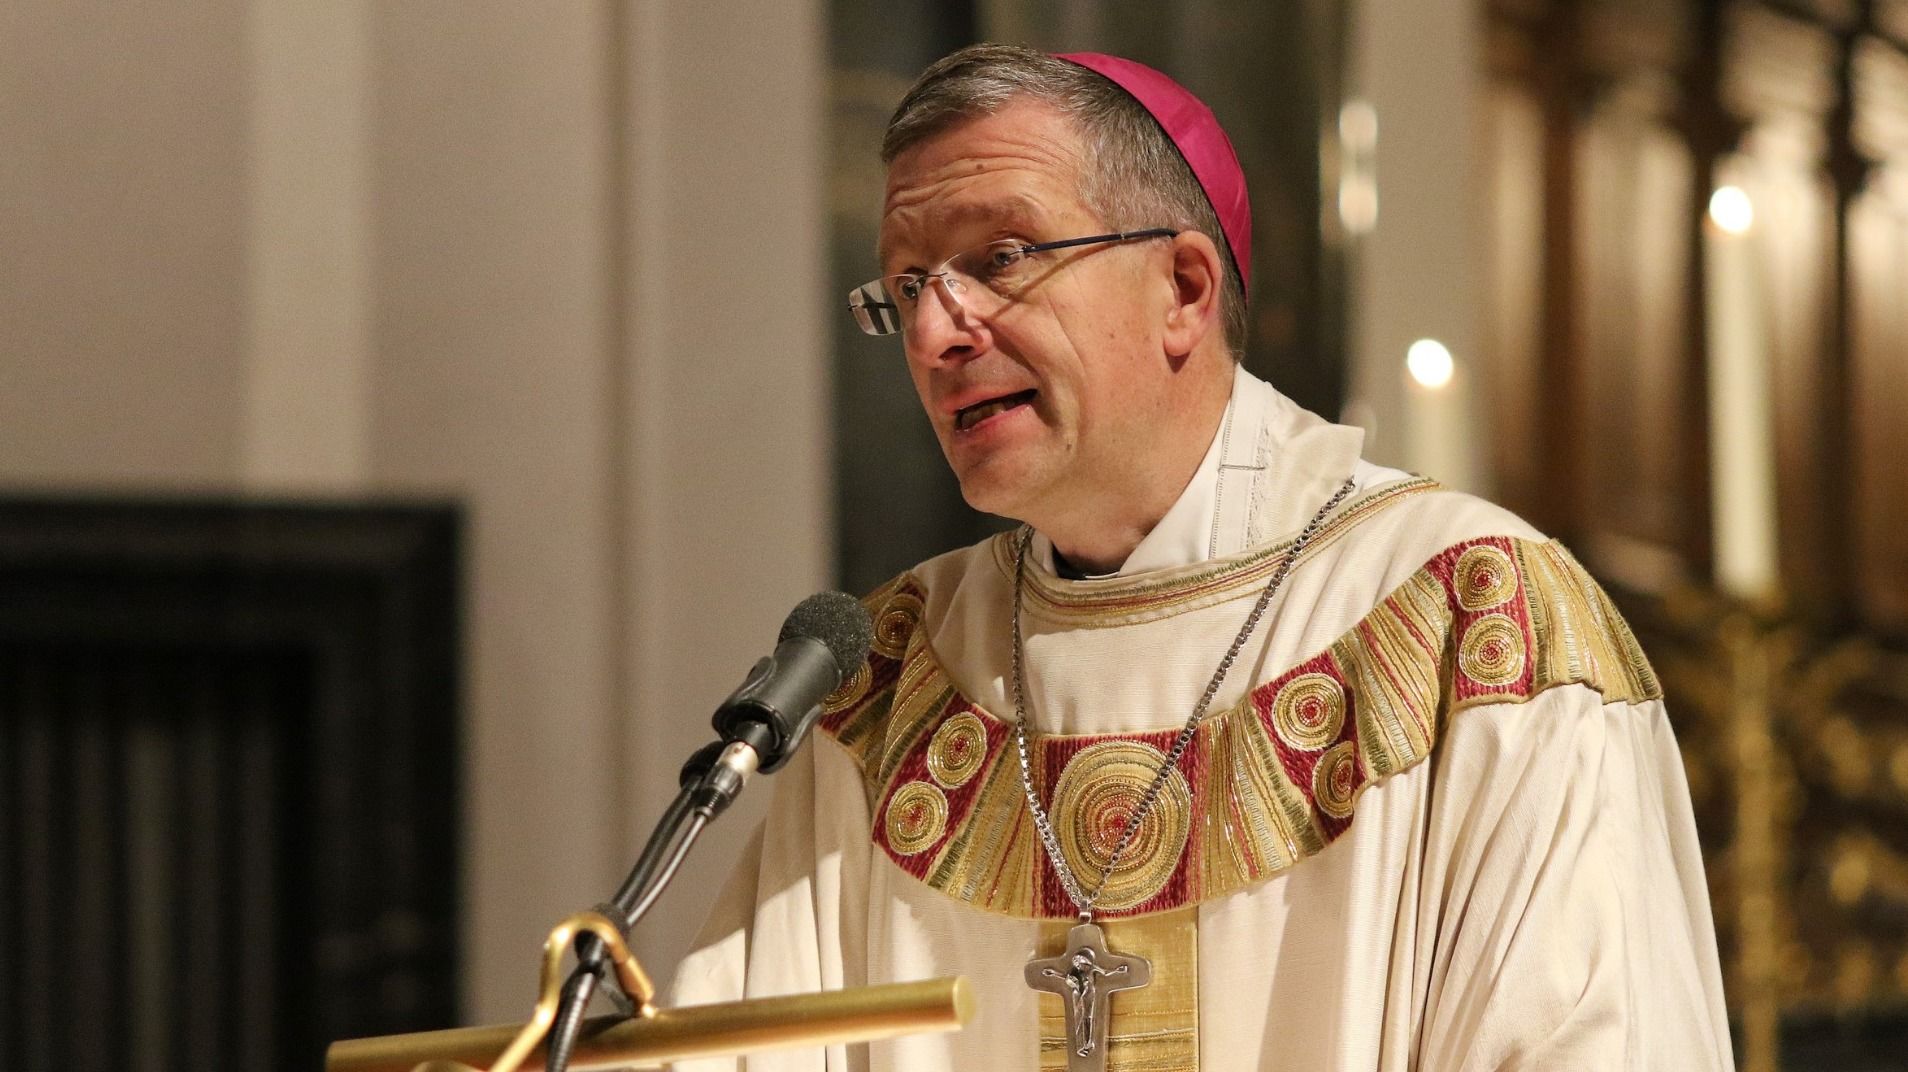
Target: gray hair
{"x": 1131, "y": 175}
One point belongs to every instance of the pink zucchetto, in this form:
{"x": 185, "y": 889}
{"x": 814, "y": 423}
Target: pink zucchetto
{"x": 1191, "y": 127}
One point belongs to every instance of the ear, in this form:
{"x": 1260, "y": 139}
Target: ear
{"x": 1198, "y": 280}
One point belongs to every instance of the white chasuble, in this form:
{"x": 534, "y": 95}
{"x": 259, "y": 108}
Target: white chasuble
{"x": 1435, "y": 820}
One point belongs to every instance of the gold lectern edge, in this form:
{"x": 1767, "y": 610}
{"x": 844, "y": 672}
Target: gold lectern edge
{"x": 655, "y": 1036}
{"x": 610, "y": 1042}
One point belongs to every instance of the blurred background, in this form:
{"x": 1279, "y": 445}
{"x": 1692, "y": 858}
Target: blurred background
{"x": 415, "y": 416}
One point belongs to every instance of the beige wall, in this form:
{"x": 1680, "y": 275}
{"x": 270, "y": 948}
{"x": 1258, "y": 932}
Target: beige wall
{"x": 562, "y": 261}
{"x": 122, "y": 250}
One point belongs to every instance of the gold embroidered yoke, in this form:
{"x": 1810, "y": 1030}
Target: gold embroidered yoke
{"x": 1268, "y": 781}
{"x": 1435, "y": 818}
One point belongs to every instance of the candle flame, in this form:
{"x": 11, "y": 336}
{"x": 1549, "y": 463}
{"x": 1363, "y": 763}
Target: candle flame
{"x": 1731, "y": 210}
{"x": 1430, "y": 363}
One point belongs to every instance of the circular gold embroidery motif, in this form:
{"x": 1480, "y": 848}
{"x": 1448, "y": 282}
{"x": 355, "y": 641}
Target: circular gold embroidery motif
{"x": 1484, "y": 577}
{"x": 1096, "y": 795}
{"x": 1492, "y": 651}
{"x": 917, "y": 816}
{"x": 850, "y": 692}
{"x": 896, "y": 623}
{"x": 1309, "y": 711}
{"x": 1333, "y": 780}
{"x": 957, "y": 750}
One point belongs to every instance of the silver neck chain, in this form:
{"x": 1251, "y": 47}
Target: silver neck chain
{"x": 1076, "y": 891}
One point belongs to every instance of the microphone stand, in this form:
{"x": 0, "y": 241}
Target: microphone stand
{"x": 695, "y": 805}
{"x": 761, "y": 726}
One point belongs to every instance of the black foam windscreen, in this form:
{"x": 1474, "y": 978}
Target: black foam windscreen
{"x": 839, "y": 621}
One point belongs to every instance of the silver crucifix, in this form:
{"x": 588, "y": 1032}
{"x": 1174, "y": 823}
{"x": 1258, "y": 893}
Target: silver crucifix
{"x": 1085, "y": 976}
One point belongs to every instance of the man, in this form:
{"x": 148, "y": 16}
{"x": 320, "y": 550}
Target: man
{"x": 1243, "y": 753}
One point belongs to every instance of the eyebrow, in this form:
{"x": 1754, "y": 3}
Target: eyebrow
{"x": 1012, "y": 210}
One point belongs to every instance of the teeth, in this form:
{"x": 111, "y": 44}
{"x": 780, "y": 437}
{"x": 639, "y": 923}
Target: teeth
{"x": 975, "y": 414}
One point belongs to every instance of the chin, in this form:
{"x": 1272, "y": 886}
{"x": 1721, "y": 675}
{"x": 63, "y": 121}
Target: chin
{"x": 997, "y": 493}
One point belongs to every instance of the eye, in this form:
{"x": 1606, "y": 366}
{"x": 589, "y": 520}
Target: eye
{"x": 998, "y": 262}
{"x": 908, "y": 287}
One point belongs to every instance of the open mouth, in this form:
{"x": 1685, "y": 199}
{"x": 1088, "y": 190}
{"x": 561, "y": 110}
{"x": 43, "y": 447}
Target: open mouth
{"x": 980, "y": 411}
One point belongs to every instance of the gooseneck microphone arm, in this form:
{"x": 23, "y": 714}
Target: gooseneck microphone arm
{"x": 760, "y": 726}
{"x": 675, "y": 832}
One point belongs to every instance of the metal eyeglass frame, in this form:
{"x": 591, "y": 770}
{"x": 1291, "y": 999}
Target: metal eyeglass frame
{"x": 877, "y": 314}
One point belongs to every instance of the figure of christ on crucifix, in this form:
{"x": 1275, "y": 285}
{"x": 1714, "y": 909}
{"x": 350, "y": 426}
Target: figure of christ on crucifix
{"x": 1085, "y": 977}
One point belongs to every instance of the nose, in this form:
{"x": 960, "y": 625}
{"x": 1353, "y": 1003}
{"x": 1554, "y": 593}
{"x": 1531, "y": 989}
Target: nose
{"x": 944, "y": 330}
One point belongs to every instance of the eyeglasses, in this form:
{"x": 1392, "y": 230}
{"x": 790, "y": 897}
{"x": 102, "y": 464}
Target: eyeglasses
{"x": 982, "y": 280}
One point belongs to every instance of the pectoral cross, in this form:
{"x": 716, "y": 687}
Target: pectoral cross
{"x": 1085, "y": 976}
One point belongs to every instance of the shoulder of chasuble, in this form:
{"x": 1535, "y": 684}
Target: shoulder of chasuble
{"x": 1264, "y": 784}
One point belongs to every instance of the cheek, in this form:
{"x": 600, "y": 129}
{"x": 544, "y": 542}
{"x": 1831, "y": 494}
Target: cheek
{"x": 1103, "y": 319}
{"x": 919, "y": 378}
{"x": 1107, "y": 352}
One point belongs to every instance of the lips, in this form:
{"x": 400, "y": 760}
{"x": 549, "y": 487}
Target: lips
{"x": 969, "y": 416}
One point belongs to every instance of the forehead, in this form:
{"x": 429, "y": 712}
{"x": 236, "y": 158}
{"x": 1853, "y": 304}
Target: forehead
{"x": 1018, "y": 168}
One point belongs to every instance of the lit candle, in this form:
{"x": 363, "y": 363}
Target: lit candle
{"x": 1741, "y": 426}
{"x": 1439, "y": 436}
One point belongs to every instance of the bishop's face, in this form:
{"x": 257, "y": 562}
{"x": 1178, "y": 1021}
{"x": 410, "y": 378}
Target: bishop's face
{"x": 1054, "y": 400}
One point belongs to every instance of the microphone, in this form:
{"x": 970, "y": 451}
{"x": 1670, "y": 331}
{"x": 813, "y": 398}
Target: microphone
{"x": 763, "y": 723}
